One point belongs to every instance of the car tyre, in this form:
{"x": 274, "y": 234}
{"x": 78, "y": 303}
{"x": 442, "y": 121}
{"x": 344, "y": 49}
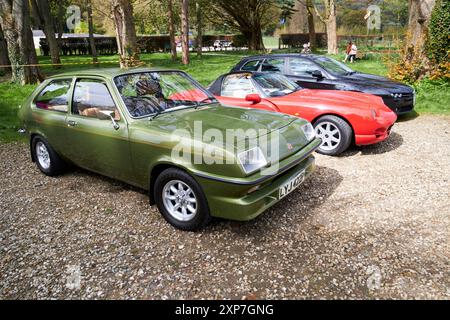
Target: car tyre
{"x": 46, "y": 158}
{"x": 336, "y": 134}
{"x": 181, "y": 200}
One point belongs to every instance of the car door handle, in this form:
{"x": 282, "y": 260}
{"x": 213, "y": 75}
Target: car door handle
{"x": 72, "y": 123}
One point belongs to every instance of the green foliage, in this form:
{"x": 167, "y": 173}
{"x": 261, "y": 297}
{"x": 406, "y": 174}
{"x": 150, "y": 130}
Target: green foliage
{"x": 286, "y": 8}
{"x": 433, "y": 97}
{"x": 439, "y": 31}
{"x": 82, "y": 27}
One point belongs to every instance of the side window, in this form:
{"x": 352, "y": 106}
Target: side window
{"x": 238, "y": 86}
{"x": 251, "y": 65}
{"x": 274, "y": 65}
{"x": 301, "y": 67}
{"x": 55, "y": 96}
{"x": 91, "y": 98}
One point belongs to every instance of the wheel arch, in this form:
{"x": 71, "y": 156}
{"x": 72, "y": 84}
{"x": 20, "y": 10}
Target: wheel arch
{"x": 156, "y": 170}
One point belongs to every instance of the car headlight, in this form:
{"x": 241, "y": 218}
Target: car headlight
{"x": 309, "y": 131}
{"x": 252, "y": 160}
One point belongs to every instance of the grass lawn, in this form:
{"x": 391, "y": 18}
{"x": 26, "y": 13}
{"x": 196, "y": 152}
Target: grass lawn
{"x": 431, "y": 97}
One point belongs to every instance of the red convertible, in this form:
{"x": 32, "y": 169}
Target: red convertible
{"x": 339, "y": 117}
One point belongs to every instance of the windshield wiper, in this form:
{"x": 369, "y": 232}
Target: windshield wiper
{"x": 182, "y": 107}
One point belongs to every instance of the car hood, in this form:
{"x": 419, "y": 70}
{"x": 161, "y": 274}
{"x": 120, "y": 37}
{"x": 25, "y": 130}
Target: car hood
{"x": 217, "y": 117}
{"x": 334, "y": 98}
{"x": 376, "y": 84}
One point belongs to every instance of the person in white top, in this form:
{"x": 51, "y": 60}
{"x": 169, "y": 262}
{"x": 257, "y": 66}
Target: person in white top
{"x": 353, "y": 53}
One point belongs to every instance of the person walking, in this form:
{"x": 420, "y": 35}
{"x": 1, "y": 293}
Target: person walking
{"x": 353, "y": 53}
{"x": 347, "y": 51}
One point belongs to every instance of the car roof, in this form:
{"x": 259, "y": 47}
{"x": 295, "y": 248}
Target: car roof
{"x": 281, "y": 55}
{"x": 110, "y": 72}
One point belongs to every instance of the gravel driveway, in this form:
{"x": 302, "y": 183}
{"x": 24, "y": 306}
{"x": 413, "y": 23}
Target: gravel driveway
{"x": 374, "y": 223}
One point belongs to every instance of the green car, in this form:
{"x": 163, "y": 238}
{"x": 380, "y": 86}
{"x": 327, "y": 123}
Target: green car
{"x": 161, "y": 131}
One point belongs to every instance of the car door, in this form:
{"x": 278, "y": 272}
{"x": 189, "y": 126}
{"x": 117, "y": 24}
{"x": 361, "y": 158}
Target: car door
{"x": 93, "y": 140}
{"x": 301, "y": 71}
{"x": 50, "y": 109}
{"x": 236, "y": 87}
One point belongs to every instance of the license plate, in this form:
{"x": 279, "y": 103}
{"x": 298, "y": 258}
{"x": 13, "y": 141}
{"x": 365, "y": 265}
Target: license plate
{"x": 292, "y": 185}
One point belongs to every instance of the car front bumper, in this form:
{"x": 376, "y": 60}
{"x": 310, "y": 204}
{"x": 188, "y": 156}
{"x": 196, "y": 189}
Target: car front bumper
{"x": 402, "y": 105}
{"x": 377, "y": 131}
{"x": 243, "y": 202}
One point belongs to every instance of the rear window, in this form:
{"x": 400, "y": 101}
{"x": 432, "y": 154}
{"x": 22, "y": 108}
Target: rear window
{"x": 252, "y": 65}
{"x": 55, "y": 96}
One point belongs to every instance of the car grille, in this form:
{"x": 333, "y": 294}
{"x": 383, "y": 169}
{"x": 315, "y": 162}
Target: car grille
{"x": 400, "y": 105}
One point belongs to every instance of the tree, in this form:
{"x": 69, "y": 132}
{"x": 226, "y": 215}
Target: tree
{"x": 185, "y": 30}
{"x": 311, "y": 24}
{"x": 91, "y": 31}
{"x": 4, "y": 60}
{"x": 439, "y": 39}
{"x": 198, "y": 11}
{"x": 419, "y": 18}
{"x": 44, "y": 19}
{"x": 122, "y": 12}
{"x": 414, "y": 63}
{"x": 329, "y": 18}
{"x": 247, "y": 16}
{"x": 15, "y": 22}
{"x": 173, "y": 43}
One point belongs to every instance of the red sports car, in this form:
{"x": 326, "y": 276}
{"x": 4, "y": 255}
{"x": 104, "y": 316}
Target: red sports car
{"x": 339, "y": 117}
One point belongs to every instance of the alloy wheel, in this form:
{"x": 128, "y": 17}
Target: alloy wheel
{"x": 330, "y": 135}
{"x": 180, "y": 200}
{"x": 43, "y": 156}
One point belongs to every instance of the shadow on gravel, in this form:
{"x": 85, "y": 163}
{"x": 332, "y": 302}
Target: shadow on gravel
{"x": 394, "y": 142}
{"x": 292, "y": 210}
{"x": 408, "y": 116}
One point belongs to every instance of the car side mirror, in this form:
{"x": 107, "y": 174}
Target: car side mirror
{"x": 255, "y": 98}
{"x": 110, "y": 115}
{"x": 317, "y": 74}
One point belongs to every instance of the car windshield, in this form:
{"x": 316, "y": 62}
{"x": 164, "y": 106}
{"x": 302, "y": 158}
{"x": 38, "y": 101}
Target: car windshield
{"x": 333, "y": 66}
{"x": 151, "y": 93}
{"x": 275, "y": 85}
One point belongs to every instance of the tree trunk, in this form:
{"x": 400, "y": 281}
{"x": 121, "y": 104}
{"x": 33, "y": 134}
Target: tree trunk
{"x": 199, "y": 28}
{"x": 329, "y": 19}
{"x": 15, "y": 21}
{"x": 60, "y": 21}
{"x": 91, "y": 32}
{"x": 173, "y": 43}
{"x": 4, "y": 59}
{"x": 332, "y": 31}
{"x": 311, "y": 25}
{"x": 254, "y": 38}
{"x": 42, "y": 12}
{"x": 185, "y": 30}
{"x": 419, "y": 18}
{"x": 125, "y": 33}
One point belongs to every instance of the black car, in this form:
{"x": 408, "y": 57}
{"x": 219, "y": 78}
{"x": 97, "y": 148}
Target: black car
{"x": 320, "y": 72}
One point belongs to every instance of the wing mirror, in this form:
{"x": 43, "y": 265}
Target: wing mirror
{"x": 110, "y": 115}
{"x": 255, "y": 98}
{"x": 317, "y": 74}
